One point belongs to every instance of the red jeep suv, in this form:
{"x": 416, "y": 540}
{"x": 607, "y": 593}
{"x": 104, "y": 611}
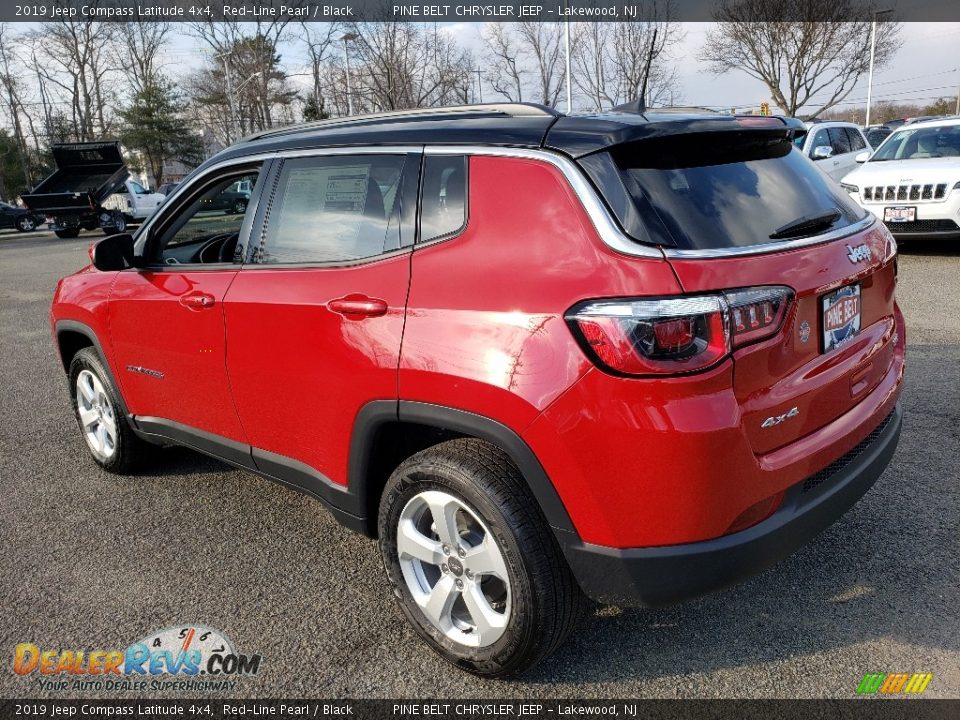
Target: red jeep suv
{"x": 633, "y": 356}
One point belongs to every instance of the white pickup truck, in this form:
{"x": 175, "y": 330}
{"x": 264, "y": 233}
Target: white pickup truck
{"x": 91, "y": 188}
{"x": 133, "y": 203}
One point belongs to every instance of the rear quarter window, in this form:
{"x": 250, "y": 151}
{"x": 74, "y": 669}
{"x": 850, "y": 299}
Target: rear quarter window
{"x": 714, "y": 191}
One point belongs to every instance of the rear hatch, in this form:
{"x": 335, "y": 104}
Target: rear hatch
{"x": 712, "y": 200}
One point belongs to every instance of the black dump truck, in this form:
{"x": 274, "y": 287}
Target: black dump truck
{"x": 90, "y": 188}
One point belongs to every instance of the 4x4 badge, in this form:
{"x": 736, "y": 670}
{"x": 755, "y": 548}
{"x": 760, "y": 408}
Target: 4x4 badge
{"x": 804, "y": 331}
{"x": 777, "y": 419}
{"x": 858, "y": 253}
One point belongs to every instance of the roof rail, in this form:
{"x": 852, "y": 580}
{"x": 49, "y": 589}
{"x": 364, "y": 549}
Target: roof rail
{"x": 508, "y": 109}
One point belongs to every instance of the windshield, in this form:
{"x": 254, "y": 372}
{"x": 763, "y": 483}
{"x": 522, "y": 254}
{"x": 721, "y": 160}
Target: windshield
{"x": 711, "y": 191}
{"x": 914, "y": 143}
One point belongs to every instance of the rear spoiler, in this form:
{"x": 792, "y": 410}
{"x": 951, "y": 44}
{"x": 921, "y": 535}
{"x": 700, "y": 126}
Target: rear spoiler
{"x": 579, "y": 136}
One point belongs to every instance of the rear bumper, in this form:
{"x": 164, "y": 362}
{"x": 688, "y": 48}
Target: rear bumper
{"x": 662, "y": 575}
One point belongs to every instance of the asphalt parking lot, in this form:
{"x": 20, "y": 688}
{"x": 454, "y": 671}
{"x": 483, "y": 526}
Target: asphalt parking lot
{"x": 90, "y": 560}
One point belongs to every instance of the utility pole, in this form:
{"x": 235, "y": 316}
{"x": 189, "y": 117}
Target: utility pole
{"x": 479, "y": 85}
{"x": 958, "y": 94}
{"x": 346, "y": 56}
{"x": 873, "y": 49}
{"x": 231, "y": 99}
{"x": 566, "y": 40}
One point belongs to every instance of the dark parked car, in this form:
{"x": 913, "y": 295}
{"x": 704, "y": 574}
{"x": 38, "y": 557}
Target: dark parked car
{"x": 19, "y": 218}
{"x": 233, "y": 200}
{"x": 876, "y": 135}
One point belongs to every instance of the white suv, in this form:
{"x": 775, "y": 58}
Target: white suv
{"x": 912, "y": 181}
{"x": 833, "y": 146}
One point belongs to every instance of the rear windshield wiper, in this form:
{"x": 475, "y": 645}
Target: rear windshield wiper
{"x": 806, "y": 225}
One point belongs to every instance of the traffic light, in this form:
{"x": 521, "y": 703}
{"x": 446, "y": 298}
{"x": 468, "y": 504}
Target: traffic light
{"x": 764, "y": 108}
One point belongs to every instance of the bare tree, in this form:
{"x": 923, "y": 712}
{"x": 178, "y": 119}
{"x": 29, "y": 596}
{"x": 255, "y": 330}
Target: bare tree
{"x": 809, "y": 53}
{"x": 138, "y": 52}
{"x": 319, "y": 39}
{"x": 249, "y": 68}
{"x": 502, "y": 49}
{"x": 75, "y": 59}
{"x": 11, "y": 99}
{"x": 399, "y": 65}
{"x": 619, "y": 61}
{"x": 526, "y": 59}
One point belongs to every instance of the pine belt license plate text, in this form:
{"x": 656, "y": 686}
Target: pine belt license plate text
{"x": 841, "y": 316}
{"x": 899, "y": 214}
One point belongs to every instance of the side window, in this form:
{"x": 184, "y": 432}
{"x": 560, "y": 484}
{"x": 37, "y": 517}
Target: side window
{"x": 206, "y": 229}
{"x": 334, "y": 208}
{"x": 857, "y": 142}
{"x": 443, "y": 204}
{"x": 819, "y": 138}
{"x": 839, "y": 140}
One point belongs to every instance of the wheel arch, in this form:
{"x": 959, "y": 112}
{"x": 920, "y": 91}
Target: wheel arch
{"x": 73, "y": 336}
{"x": 386, "y": 432}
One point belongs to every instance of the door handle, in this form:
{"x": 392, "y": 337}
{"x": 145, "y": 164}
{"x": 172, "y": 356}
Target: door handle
{"x": 197, "y": 301}
{"x": 357, "y": 306}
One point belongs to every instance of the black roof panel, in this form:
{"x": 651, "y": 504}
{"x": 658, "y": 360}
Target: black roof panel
{"x": 507, "y": 124}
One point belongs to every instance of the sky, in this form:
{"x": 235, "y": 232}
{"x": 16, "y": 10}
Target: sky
{"x": 927, "y": 66}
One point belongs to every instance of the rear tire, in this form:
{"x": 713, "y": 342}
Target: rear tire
{"x": 113, "y": 223}
{"x": 499, "y": 530}
{"x": 67, "y": 233}
{"x": 26, "y": 223}
{"x": 96, "y": 405}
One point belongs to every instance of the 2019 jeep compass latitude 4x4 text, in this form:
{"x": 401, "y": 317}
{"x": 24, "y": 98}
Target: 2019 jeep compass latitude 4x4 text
{"x": 635, "y": 357}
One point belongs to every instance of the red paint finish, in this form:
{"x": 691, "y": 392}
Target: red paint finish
{"x": 772, "y": 377}
{"x": 485, "y": 329}
{"x": 300, "y": 369}
{"x": 284, "y": 358}
{"x": 172, "y": 322}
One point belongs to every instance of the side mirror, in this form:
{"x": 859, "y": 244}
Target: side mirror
{"x": 822, "y": 152}
{"x": 862, "y": 157}
{"x": 114, "y": 252}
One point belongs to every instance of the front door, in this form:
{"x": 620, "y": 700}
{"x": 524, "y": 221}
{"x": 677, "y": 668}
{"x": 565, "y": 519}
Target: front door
{"x": 167, "y": 320}
{"x": 315, "y": 318}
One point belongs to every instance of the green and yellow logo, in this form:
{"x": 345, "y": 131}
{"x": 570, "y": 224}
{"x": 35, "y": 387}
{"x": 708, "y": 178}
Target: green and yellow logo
{"x": 893, "y": 683}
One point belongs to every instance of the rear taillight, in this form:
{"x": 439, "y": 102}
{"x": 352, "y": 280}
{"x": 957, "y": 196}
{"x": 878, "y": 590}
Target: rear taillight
{"x": 756, "y": 313}
{"x": 677, "y": 335}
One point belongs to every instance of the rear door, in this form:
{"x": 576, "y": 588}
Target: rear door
{"x": 717, "y": 202}
{"x": 841, "y": 138}
{"x": 315, "y": 318}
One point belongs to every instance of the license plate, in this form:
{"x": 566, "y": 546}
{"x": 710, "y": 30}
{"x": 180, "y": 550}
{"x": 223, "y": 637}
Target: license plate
{"x": 899, "y": 214}
{"x": 841, "y": 316}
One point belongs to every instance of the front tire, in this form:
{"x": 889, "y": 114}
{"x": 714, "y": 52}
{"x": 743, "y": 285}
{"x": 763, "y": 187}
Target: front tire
{"x": 97, "y": 407}
{"x": 474, "y": 565}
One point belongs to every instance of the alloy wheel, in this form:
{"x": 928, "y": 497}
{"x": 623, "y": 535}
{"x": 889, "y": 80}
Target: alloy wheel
{"x": 97, "y": 416}
{"x": 454, "y": 569}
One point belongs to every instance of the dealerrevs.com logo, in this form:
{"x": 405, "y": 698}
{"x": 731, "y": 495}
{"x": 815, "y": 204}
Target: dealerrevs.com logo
{"x": 186, "y": 657}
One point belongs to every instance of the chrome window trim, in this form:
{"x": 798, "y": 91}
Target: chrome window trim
{"x": 608, "y": 229}
{"x": 191, "y": 180}
{"x": 772, "y": 247}
{"x": 602, "y": 221}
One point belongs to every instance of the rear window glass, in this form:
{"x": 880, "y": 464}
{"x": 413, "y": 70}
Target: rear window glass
{"x": 725, "y": 190}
